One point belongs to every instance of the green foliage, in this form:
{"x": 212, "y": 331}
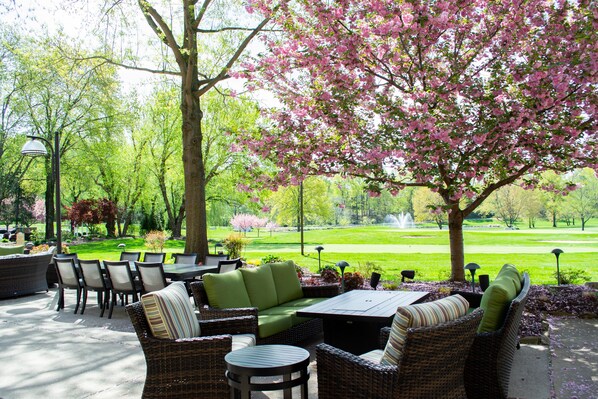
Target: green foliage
{"x": 234, "y": 245}
{"x": 271, "y": 259}
{"x": 330, "y": 275}
{"x": 367, "y": 268}
{"x": 573, "y": 276}
{"x": 353, "y": 281}
{"x": 155, "y": 240}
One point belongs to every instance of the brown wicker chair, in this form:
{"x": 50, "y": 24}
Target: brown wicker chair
{"x": 431, "y": 366}
{"x": 23, "y": 275}
{"x": 488, "y": 367}
{"x": 291, "y": 336}
{"x": 188, "y": 368}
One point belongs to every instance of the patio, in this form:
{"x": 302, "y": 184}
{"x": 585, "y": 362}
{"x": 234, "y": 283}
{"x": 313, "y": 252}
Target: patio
{"x": 60, "y": 354}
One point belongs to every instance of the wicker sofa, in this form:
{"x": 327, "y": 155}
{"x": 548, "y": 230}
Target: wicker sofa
{"x": 271, "y": 292}
{"x": 488, "y": 367}
{"x": 23, "y": 274}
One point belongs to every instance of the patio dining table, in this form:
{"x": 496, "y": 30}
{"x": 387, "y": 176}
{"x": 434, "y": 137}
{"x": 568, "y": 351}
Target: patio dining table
{"x": 178, "y": 271}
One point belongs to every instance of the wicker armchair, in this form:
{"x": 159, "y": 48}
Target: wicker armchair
{"x": 291, "y": 336}
{"x": 488, "y": 367}
{"x": 431, "y": 366}
{"x": 188, "y": 368}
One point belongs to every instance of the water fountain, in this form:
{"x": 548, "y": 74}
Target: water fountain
{"x": 403, "y": 221}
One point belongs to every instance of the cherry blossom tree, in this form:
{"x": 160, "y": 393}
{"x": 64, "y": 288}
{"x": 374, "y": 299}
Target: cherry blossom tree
{"x": 243, "y": 222}
{"x": 462, "y": 97}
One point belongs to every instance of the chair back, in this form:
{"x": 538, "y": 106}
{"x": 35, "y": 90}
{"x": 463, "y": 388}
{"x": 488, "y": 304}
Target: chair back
{"x": 91, "y": 272}
{"x": 120, "y": 276}
{"x": 72, "y": 255}
{"x": 67, "y": 272}
{"x": 154, "y": 257}
{"x": 426, "y": 348}
{"x": 131, "y": 256}
{"x": 151, "y": 276}
{"x": 225, "y": 266}
{"x": 190, "y": 258}
{"x": 212, "y": 260}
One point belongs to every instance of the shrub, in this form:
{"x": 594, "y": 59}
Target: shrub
{"x": 353, "y": 281}
{"x": 368, "y": 268}
{"x": 155, "y": 240}
{"x": 330, "y": 275}
{"x": 234, "y": 245}
{"x": 573, "y": 276}
{"x": 271, "y": 259}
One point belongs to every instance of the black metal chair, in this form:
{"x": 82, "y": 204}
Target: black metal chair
{"x": 68, "y": 277}
{"x": 212, "y": 260}
{"x": 94, "y": 280}
{"x": 122, "y": 282}
{"x": 151, "y": 276}
{"x": 225, "y": 266}
{"x": 130, "y": 256}
{"x": 154, "y": 257}
{"x": 189, "y": 258}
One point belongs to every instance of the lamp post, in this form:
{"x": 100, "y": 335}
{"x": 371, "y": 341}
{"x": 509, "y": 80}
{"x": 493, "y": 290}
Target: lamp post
{"x": 319, "y": 248}
{"x": 557, "y": 252}
{"x": 341, "y": 265}
{"x": 216, "y": 246}
{"x": 472, "y": 267}
{"x": 36, "y": 148}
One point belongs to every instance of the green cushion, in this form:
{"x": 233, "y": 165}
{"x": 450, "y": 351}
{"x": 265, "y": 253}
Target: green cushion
{"x": 288, "y": 286}
{"x": 304, "y": 302}
{"x": 11, "y": 249}
{"x": 273, "y": 324}
{"x": 420, "y": 315}
{"x": 512, "y": 272}
{"x": 495, "y": 302}
{"x": 260, "y": 287}
{"x": 288, "y": 311}
{"x": 226, "y": 290}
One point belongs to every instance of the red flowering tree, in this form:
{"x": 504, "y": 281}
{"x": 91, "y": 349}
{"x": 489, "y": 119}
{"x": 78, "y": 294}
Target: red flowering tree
{"x": 462, "y": 97}
{"x": 90, "y": 212}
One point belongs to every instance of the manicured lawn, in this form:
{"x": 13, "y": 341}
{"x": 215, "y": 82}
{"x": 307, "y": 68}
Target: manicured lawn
{"x": 425, "y": 250}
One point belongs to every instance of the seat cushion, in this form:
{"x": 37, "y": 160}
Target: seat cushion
{"x": 288, "y": 311}
{"x": 512, "y": 272}
{"x": 374, "y": 356}
{"x": 495, "y": 302}
{"x": 169, "y": 312}
{"x": 288, "y": 286}
{"x": 304, "y": 302}
{"x": 241, "y": 341}
{"x": 260, "y": 286}
{"x": 226, "y": 290}
{"x": 420, "y": 315}
{"x": 273, "y": 324}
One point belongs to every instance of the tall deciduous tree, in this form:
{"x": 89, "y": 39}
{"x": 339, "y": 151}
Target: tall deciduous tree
{"x": 462, "y": 97}
{"x": 584, "y": 199}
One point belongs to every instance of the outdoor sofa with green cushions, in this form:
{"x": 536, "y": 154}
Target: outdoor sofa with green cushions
{"x": 272, "y": 292}
{"x": 488, "y": 366}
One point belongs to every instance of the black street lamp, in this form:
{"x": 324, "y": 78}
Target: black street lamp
{"x": 319, "y": 248}
{"x": 216, "y": 246}
{"x": 35, "y": 148}
{"x": 472, "y": 267}
{"x": 557, "y": 252}
{"x": 341, "y": 265}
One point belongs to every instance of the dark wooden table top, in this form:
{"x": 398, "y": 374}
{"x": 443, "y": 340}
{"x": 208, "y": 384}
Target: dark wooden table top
{"x": 265, "y": 360}
{"x": 363, "y": 305}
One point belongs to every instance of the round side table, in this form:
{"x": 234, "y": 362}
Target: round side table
{"x": 267, "y": 361}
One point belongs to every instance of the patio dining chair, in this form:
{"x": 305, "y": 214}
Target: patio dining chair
{"x": 130, "y": 256}
{"x": 225, "y": 266}
{"x": 151, "y": 276}
{"x": 154, "y": 257}
{"x": 94, "y": 280}
{"x": 212, "y": 260}
{"x": 68, "y": 277}
{"x": 122, "y": 282}
{"x": 189, "y": 258}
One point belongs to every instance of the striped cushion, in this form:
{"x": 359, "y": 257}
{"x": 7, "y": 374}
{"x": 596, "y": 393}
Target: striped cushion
{"x": 169, "y": 312}
{"x": 420, "y": 315}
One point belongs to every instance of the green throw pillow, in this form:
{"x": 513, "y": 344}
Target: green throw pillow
{"x": 420, "y": 315}
{"x": 226, "y": 290}
{"x": 512, "y": 272}
{"x": 495, "y": 302}
{"x": 260, "y": 286}
{"x": 288, "y": 287}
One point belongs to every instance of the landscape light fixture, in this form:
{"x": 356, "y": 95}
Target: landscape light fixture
{"x": 472, "y": 267}
{"x": 319, "y": 248}
{"x": 557, "y": 252}
{"x": 122, "y": 246}
{"x": 216, "y": 246}
{"x": 37, "y": 147}
{"x": 341, "y": 265}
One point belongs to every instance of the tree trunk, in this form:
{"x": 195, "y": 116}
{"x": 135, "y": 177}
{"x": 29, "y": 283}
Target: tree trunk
{"x": 583, "y": 224}
{"x": 195, "y": 177}
{"x": 455, "y": 224}
{"x": 554, "y": 219}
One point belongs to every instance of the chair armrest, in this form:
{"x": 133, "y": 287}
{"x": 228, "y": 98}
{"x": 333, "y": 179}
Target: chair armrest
{"x": 320, "y": 291}
{"x": 473, "y": 298}
{"x": 229, "y": 325}
{"x": 340, "y": 371}
{"x": 384, "y": 335}
{"x": 209, "y": 313}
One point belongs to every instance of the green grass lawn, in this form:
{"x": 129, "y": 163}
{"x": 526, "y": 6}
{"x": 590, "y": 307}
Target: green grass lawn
{"x": 425, "y": 250}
